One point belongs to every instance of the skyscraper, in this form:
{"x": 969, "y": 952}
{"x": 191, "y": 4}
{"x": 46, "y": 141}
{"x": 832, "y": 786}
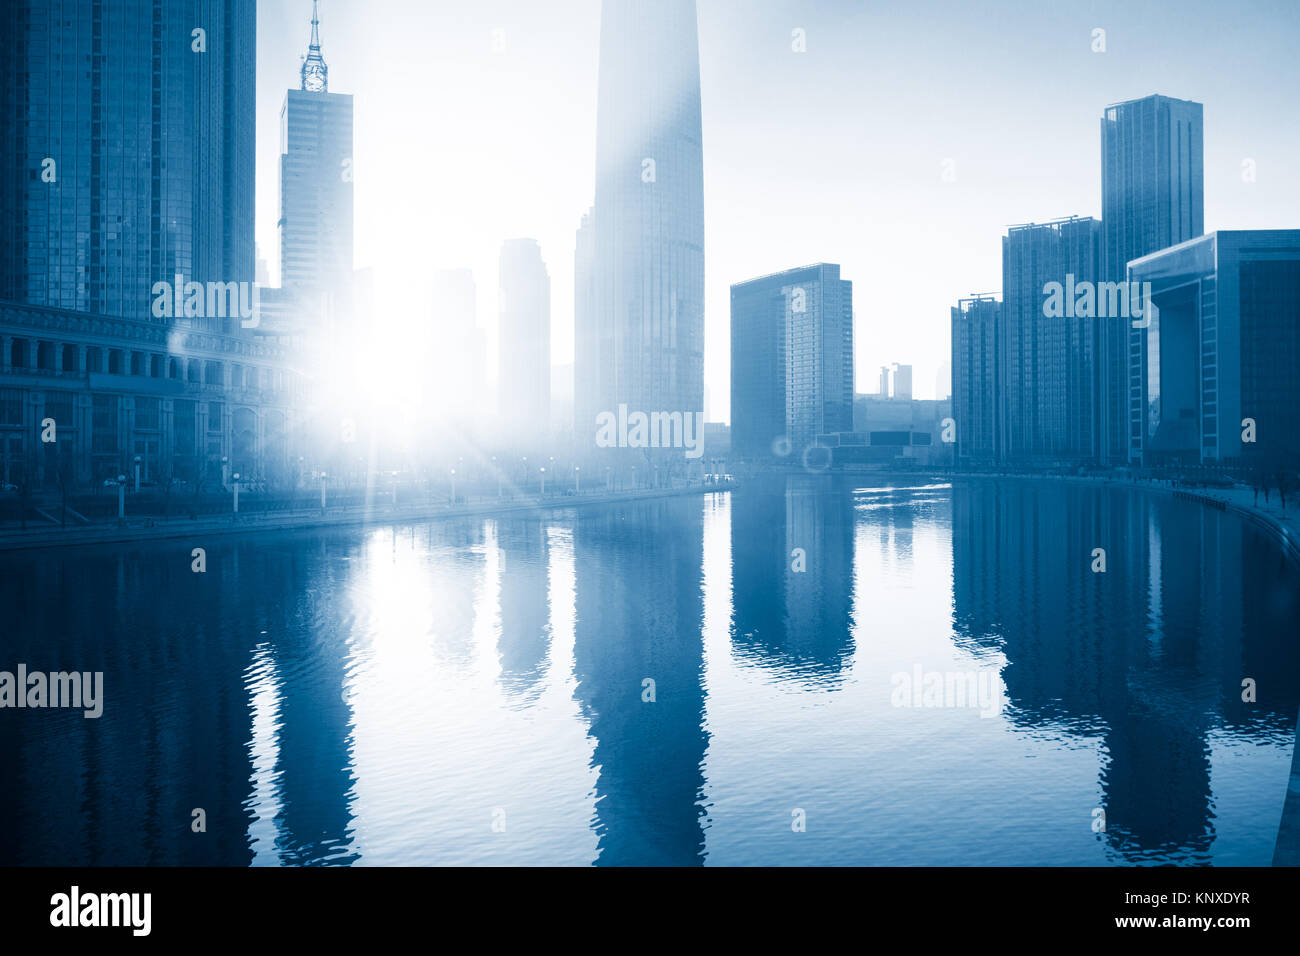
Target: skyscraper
{"x": 1152, "y": 197}
{"x": 642, "y": 341}
{"x": 524, "y": 343}
{"x": 1049, "y": 363}
{"x": 791, "y": 360}
{"x": 316, "y": 182}
{"x": 977, "y": 378}
{"x": 128, "y": 151}
{"x": 127, "y": 185}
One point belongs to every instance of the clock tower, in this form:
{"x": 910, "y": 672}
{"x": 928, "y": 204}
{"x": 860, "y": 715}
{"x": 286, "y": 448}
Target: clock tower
{"x": 315, "y": 73}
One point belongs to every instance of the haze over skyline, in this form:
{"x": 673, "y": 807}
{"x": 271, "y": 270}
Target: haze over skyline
{"x": 835, "y": 154}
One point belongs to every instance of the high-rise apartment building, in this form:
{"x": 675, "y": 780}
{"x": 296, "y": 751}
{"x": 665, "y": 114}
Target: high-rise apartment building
{"x": 1049, "y": 363}
{"x": 977, "y": 379}
{"x": 791, "y": 360}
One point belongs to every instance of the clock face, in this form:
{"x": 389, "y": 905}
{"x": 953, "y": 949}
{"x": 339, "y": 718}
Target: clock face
{"x": 313, "y": 79}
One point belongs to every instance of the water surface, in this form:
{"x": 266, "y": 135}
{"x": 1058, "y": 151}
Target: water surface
{"x": 476, "y": 691}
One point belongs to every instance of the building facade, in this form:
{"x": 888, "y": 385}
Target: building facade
{"x": 126, "y": 205}
{"x": 1217, "y": 374}
{"x": 977, "y": 379}
{"x": 791, "y": 361}
{"x": 1152, "y": 197}
{"x": 1049, "y": 363}
{"x": 641, "y": 341}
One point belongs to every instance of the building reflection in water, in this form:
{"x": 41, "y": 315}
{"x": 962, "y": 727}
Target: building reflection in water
{"x": 525, "y": 609}
{"x": 792, "y": 578}
{"x": 1149, "y": 655}
{"x": 375, "y": 695}
{"x": 638, "y": 613}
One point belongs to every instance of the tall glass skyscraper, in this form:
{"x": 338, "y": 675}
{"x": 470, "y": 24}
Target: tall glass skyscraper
{"x": 640, "y": 340}
{"x": 126, "y": 178}
{"x": 128, "y": 158}
{"x": 791, "y": 360}
{"x": 1152, "y": 197}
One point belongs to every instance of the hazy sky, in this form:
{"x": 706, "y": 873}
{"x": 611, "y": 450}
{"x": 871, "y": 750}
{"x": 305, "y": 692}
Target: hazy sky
{"x": 835, "y": 154}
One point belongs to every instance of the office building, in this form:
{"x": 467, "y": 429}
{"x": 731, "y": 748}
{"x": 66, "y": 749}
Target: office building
{"x": 1219, "y": 354}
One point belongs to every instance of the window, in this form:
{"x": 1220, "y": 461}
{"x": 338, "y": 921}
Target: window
{"x": 11, "y": 406}
{"x": 146, "y": 413}
{"x": 104, "y": 424}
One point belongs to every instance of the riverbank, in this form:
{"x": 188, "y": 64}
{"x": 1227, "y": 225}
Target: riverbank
{"x": 150, "y": 529}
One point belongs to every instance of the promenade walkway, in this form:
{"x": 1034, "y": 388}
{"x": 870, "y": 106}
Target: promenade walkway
{"x": 179, "y": 526}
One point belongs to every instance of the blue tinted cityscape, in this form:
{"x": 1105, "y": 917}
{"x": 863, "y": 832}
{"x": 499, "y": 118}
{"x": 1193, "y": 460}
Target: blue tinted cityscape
{"x": 648, "y": 434}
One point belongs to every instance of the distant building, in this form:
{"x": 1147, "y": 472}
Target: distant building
{"x": 977, "y": 379}
{"x": 1050, "y": 368}
{"x": 902, "y": 382}
{"x": 316, "y": 216}
{"x": 1222, "y": 346}
{"x": 1152, "y": 197}
{"x": 717, "y": 440}
{"x": 791, "y": 361}
{"x": 524, "y": 344}
{"x": 456, "y": 345}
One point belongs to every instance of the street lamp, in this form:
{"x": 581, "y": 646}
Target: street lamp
{"x": 577, "y": 478}
{"x": 322, "y": 491}
{"x": 235, "y": 477}
{"x": 453, "y": 486}
{"x": 137, "y": 474}
{"x": 121, "y": 497}
{"x": 543, "y": 471}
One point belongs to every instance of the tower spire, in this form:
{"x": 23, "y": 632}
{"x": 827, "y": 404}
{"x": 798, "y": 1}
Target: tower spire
{"x": 315, "y": 73}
